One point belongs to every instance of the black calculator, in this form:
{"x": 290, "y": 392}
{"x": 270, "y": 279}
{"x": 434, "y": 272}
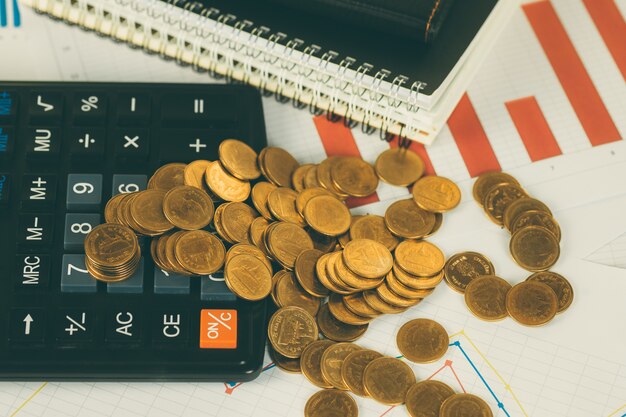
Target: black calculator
{"x": 65, "y": 149}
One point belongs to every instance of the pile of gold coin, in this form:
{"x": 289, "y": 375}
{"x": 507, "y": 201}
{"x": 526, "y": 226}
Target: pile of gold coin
{"x": 112, "y": 252}
{"x": 535, "y": 234}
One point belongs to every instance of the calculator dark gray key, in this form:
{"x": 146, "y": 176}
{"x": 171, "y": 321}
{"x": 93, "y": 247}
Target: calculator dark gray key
{"x": 59, "y": 322}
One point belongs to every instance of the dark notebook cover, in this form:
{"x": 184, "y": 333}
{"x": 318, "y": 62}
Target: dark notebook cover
{"x": 430, "y": 63}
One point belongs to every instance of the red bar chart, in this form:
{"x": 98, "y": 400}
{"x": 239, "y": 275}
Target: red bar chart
{"x": 612, "y": 27}
{"x": 533, "y": 128}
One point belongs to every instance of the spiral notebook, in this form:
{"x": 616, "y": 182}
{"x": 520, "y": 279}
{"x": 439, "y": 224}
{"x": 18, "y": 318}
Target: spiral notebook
{"x": 389, "y": 83}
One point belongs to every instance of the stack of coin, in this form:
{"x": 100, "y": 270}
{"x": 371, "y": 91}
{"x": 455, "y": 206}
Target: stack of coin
{"x": 535, "y": 234}
{"x": 112, "y": 252}
{"x": 195, "y": 252}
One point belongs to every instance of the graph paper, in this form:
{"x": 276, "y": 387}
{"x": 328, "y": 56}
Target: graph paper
{"x": 573, "y": 367}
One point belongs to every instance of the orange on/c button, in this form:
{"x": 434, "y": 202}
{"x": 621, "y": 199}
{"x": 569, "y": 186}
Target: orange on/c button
{"x": 218, "y": 329}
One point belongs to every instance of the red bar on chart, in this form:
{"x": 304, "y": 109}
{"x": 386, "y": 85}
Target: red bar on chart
{"x": 612, "y": 27}
{"x": 471, "y": 139}
{"x": 533, "y": 128}
{"x": 337, "y": 140}
{"x": 420, "y": 150}
{"x": 569, "y": 69}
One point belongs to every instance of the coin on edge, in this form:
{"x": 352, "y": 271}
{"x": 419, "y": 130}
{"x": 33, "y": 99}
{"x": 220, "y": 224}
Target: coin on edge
{"x": 387, "y": 380}
{"x": 422, "y": 340}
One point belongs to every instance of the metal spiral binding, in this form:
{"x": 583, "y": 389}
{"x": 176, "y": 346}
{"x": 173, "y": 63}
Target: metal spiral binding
{"x": 210, "y": 40}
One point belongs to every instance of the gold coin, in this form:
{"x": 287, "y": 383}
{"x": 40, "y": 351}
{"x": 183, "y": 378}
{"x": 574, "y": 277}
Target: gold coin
{"x": 290, "y": 293}
{"x": 367, "y": 258}
{"x": 110, "y": 210}
{"x": 322, "y": 270}
{"x": 373, "y": 300}
{"x": 425, "y": 398}
{"x": 193, "y": 175}
{"x": 373, "y": 227}
{"x": 498, "y": 198}
{"x": 397, "y": 287}
{"x": 110, "y": 246}
{"x": 332, "y": 359}
{"x": 520, "y": 206}
{"x": 532, "y": 303}
{"x": 289, "y": 365}
{"x": 486, "y": 297}
{"x": 167, "y": 177}
{"x": 462, "y": 268}
{"x": 416, "y": 283}
{"x": 345, "y": 238}
{"x": 336, "y": 330}
{"x": 170, "y": 254}
{"x": 224, "y": 185}
{"x": 330, "y": 403}
{"x": 354, "y": 176}
{"x": 305, "y": 273}
{"x": 325, "y": 178}
{"x": 260, "y": 192}
{"x": 387, "y": 295}
{"x": 338, "y": 285}
{"x": 249, "y": 278}
{"x": 422, "y": 340}
{"x": 466, "y": 405}
{"x": 399, "y": 166}
{"x": 188, "y": 208}
{"x": 310, "y": 178}
{"x": 387, "y": 380}
{"x": 419, "y": 258}
{"x": 239, "y": 159}
{"x": 534, "y": 248}
{"x": 327, "y": 215}
{"x": 436, "y": 194}
{"x": 290, "y": 330}
{"x": 217, "y": 222}
{"x": 487, "y": 180}
{"x": 286, "y": 241}
{"x": 200, "y": 252}
{"x": 341, "y": 313}
{"x": 257, "y": 229}
{"x": 353, "y": 368}
{"x": 236, "y": 220}
{"x": 560, "y": 285}
{"x": 297, "y": 178}
{"x": 437, "y": 226}
{"x": 161, "y": 252}
{"x": 357, "y": 305}
{"x": 536, "y": 218}
{"x": 405, "y": 219}
{"x": 246, "y": 249}
{"x": 146, "y": 210}
{"x": 122, "y": 211}
{"x": 311, "y": 362}
{"x": 282, "y": 204}
{"x": 303, "y": 198}
{"x": 279, "y": 166}
{"x": 349, "y": 278}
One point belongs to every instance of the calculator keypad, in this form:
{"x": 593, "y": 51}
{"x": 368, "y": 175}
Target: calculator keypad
{"x": 65, "y": 149}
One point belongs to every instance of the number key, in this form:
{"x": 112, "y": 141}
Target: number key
{"x": 77, "y": 226}
{"x": 129, "y": 183}
{"x": 84, "y": 192}
{"x": 75, "y": 277}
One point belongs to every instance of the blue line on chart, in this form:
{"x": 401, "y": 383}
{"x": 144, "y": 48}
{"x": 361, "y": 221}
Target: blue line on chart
{"x": 17, "y": 18}
{"x": 500, "y": 405}
{"x": 3, "y": 13}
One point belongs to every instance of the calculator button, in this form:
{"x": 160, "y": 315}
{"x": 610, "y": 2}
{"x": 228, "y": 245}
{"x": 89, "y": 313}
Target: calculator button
{"x": 77, "y": 226}
{"x": 218, "y": 329}
{"x": 45, "y": 107}
{"x": 123, "y": 183}
{"x": 198, "y": 110}
{"x": 185, "y": 145}
{"x": 171, "y": 327}
{"x": 5, "y": 189}
{"x": 32, "y": 272}
{"x": 131, "y": 285}
{"x": 213, "y": 288}
{"x": 43, "y": 142}
{"x": 133, "y": 109}
{"x": 7, "y": 140}
{"x": 84, "y": 192}
{"x": 170, "y": 283}
{"x": 89, "y": 109}
{"x": 35, "y": 230}
{"x": 74, "y": 325}
{"x": 132, "y": 143}
{"x": 8, "y": 105}
{"x": 27, "y": 325}
{"x": 38, "y": 191}
{"x": 74, "y": 275}
{"x": 123, "y": 326}
{"x": 86, "y": 142}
